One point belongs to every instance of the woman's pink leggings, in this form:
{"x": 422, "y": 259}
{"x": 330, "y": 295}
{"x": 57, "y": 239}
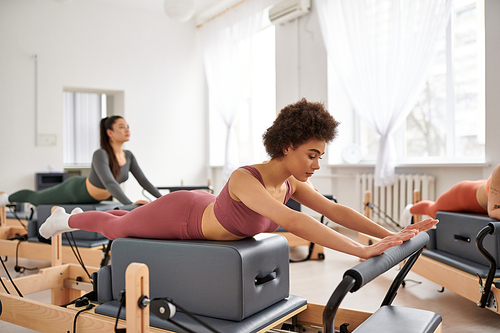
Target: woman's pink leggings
{"x": 460, "y": 198}
{"x": 176, "y": 215}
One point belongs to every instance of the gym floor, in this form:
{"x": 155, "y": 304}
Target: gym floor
{"x": 315, "y": 280}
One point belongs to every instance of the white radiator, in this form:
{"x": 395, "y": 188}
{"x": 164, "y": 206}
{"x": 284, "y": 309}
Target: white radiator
{"x": 393, "y": 199}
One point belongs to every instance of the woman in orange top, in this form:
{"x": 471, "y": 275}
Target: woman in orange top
{"x": 479, "y": 196}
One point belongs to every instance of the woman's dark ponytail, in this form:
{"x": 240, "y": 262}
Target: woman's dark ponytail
{"x": 105, "y": 125}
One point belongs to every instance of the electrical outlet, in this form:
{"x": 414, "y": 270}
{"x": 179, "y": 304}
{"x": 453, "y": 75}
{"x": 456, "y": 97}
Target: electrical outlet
{"x": 47, "y": 139}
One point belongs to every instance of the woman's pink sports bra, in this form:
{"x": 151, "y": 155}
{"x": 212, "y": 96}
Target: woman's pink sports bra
{"x": 240, "y": 220}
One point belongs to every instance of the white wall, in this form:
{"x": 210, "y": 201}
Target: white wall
{"x": 96, "y": 44}
{"x": 300, "y": 61}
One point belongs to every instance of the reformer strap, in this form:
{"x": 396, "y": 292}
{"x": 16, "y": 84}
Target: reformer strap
{"x": 370, "y": 269}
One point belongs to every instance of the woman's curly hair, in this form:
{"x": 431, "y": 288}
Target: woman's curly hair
{"x": 298, "y": 123}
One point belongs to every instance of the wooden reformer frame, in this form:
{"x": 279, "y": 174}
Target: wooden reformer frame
{"x": 453, "y": 279}
{"x": 69, "y": 281}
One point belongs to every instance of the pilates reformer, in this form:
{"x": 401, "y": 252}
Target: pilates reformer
{"x": 460, "y": 256}
{"x": 147, "y": 311}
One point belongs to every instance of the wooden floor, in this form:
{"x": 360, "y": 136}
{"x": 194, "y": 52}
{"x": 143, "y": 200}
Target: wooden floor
{"x": 316, "y": 280}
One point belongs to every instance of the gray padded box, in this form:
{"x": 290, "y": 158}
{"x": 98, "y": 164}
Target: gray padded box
{"x": 227, "y": 280}
{"x": 453, "y": 242}
{"x": 456, "y": 234}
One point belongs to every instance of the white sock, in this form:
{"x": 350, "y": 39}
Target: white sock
{"x": 4, "y": 199}
{"x": 405, "y": 218}
{"x": 76, "y": 210}
{"x": 56, "y": 224}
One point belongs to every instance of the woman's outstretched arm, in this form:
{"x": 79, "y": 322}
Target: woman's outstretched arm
{"x": 251, "y": 192}
{"x": 347, "y": 216}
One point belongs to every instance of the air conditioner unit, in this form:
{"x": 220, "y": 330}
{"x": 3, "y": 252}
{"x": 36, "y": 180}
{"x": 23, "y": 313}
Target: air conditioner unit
{"x": 288, "y": 10}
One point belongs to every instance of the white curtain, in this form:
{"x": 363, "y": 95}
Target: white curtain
{"x": 227, "y": 44}
{"x": 381, "y": 51}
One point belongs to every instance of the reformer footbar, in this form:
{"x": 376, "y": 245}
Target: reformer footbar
{"x": 388, "y": 318}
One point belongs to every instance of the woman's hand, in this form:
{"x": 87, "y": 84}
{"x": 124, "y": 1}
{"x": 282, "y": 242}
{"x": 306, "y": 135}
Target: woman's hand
{"x": 388, "y": 242}
{"x": 422, "y": 225}
{"x": 141, "y": 202}
{"x": 397, "y": 239}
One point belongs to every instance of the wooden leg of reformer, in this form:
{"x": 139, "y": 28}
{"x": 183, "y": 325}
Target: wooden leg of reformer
{"x": 59, "y": 296}
{"x": 3, "y": 218}
{"x": 136, "y": 285}
{"x": 7, "y": 230}
{"x": 368, "y": 200}
{"x": 56, "y": 259}
{"x": 318, "y": 252}
{"x": 416, "y": 198}
{"x": 363, "y": 238}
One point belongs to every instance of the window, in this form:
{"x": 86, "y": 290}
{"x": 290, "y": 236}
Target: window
{"x": 259, "y": 111}
{"x": 448, "y": 120}
{"x": 82, "y": 113}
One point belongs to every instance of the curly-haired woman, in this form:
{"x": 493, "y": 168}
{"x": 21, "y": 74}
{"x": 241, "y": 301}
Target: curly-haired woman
{"x": 253, "y": 200}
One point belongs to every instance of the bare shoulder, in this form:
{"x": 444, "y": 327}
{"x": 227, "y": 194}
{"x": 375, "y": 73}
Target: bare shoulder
{"x": 242, "y": 181}
{"x": 239, "y": 175}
